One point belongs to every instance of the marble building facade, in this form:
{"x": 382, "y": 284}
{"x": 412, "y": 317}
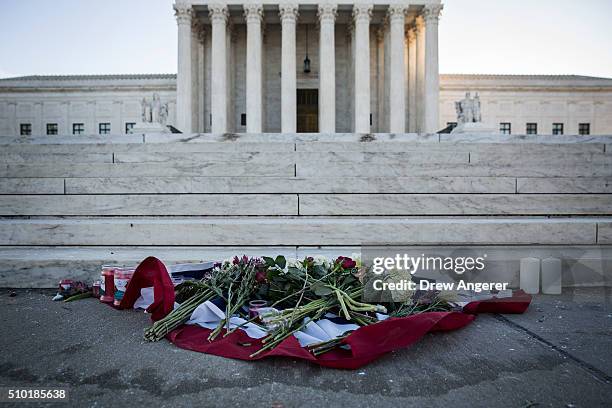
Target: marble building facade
{"x": 288, "y": 67}
{"x": 63, "y": 101}
{"x": 305, "y": 67}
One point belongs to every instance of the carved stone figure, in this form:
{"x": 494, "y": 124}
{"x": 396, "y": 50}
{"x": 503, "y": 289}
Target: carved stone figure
{"x": 155, "y": 109}
{"x": 163, "y": 114}
{"x": 469, "y": 117}
{"x": 468, "y": 109}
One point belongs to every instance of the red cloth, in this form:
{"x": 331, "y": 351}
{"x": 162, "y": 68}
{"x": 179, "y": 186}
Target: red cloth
{"x": 151, "y": 272}
{"x": 366, "y": 344}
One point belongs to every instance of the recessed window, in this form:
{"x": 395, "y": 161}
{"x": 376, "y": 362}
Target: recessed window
{"x": 243, "y": 119}
{"x": 78, "y": 128}
{"x": 25, "y": 129}
{"x": 505, "y": 128}
{"x": 370, "y": 119}
{"x": 532, "y": 129}
{"x": 129, "y": 126}
{"x": 104, "y": 128}
{"x": 584, "y": 128}
{"x": 557, "y": 128}
{"x": 52, "y": 128}
{"x": 451, "y": 125}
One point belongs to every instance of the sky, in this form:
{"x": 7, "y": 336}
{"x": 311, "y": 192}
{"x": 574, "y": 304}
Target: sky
{"x": 61, "y": 37}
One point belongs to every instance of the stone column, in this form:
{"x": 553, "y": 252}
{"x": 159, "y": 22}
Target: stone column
{"x": 201, "y": 90}
{"x": 218, "y": 17}
{"x": 397, "y": 74}
{"x": 412, "y": 79}
{"x": 327, "y": 72}
{"x": 420, "y": 73}
{"x": 380, "y": 78}
{"x": 288, "y": 15}
{"x": 195, "y": 75}
{"x": 184, "y": 77}
{"x": 432, "y": 72}
{"x": 253, "y": 13}
{"x": 361, "y": 18}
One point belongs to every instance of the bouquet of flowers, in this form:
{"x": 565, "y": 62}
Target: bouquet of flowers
{"x": 297, "y": 293}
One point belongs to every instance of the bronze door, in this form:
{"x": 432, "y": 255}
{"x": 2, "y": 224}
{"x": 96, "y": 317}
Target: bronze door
{"x": 307, "y": 110}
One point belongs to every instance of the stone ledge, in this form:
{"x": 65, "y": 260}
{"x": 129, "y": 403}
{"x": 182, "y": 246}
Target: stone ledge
{"x": 306, "y": 138}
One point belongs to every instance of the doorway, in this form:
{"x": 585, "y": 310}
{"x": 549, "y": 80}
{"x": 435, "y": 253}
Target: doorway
{"x": 307, "y": 110}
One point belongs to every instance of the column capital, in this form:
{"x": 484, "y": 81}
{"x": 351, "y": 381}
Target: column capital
{"x": 396, "y": 13}
{"x": 362, "y": 13}
{"x": 327, "y": 13}
{"x": 419, "y": 24}
{"x": 288, "y": 12}
{"x": 218, "y": 13}
{"x": 380, "y": 33}
{"x": 183, "y": 14}
{"x": 431, "y": 14}
{"x": 253, "y": 13}
{"x": 411, "y": 33}
{"x": 201, "y": 31}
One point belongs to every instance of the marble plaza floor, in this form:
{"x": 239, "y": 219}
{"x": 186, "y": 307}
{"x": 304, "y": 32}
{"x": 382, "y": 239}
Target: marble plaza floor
{"x": 556, "y": 354}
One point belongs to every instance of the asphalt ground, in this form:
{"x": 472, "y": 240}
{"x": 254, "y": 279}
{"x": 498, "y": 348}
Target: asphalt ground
{"x": 559, "y": 354}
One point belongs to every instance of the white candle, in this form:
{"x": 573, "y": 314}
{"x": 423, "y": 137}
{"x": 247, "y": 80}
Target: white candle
{"x": 551, "y": 276}
{"x": 530, "y": 275}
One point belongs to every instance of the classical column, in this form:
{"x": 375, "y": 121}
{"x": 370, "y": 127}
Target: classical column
{"x": 412, "y": 79}
{"x": 253, "y": 14}
{"x": 195, "y": 83}
{"x": 183, "y": 14}
{"x": 201, "y": 89}
{"x": 327, "y": 72}
{"x": 397, "y": 74}
{"x": 288, "y": 15}
{"x": 361, "y": 18}
{"x": 218, "y": 17}
{"x": 432, "y": 72}
{"x": 420, "y": 73}
{"x": 380, "y": 78}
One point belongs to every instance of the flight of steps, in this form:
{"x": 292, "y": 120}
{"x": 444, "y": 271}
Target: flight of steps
{"x": 71, "y": 203}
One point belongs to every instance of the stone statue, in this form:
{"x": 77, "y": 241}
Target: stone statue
{"x": 468, "y": 109}
{"x": 152, "y": 112}
{"x": 476, "y": 108}
{"x": 155, "y": 109}
{"x": 144, "y": 111}
{"x": 154, "y": 116}
{"x": 469, "y": 117}
{"x": 163, "y": 114}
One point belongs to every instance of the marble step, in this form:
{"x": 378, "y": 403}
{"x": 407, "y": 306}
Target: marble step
{"x": 149, "y": 205}
{"x": 297, "y": 185}
{"x": 295, "y": 231}
{"x": 36, "y": 267}
{"x": 304, "y": 204}
{"x": 39, "y": 267}
{"x": 491, "y": 169}
{"x": 210, "y": 169}
{"x": 454, "y": 204}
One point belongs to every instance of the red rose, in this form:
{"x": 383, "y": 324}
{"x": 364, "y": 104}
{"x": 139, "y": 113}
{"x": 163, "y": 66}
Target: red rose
{"x": 348, "y": 263}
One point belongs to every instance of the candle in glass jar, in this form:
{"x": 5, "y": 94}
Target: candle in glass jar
{"x": 530, "y": 275}
{"x": 551, "y": 276}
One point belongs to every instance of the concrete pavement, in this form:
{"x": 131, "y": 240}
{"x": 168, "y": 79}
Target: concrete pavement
{"x": 556, "y": 354}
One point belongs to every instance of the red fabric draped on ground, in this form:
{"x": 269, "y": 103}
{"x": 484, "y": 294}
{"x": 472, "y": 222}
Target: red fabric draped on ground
{"x": 366, "y": 344}
{"x": 151, "y": 272}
